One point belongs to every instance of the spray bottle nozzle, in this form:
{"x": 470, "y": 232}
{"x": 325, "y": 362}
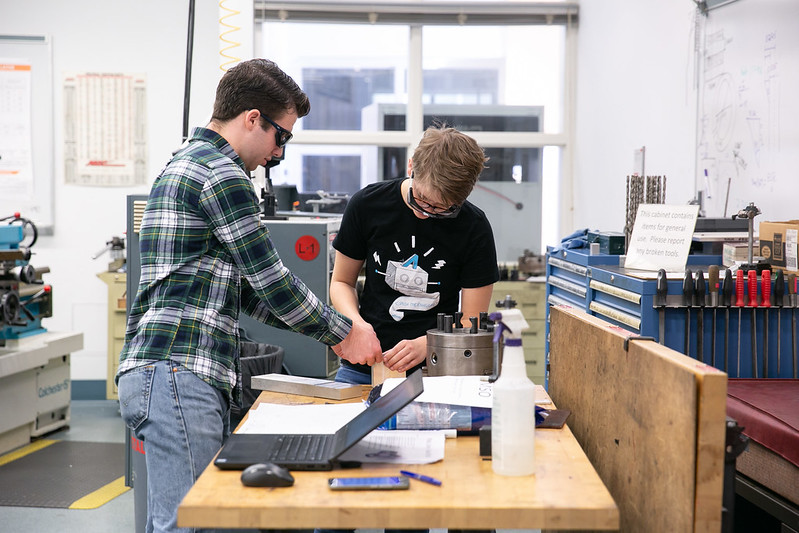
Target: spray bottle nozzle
{"x": 510, "y": 321}
{"x": 499, "y": 325}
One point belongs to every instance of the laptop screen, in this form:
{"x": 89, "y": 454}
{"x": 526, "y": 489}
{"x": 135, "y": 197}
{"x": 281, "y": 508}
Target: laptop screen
{"x": 378, "y": 412}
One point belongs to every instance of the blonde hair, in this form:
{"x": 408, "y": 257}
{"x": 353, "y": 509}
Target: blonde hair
{"x": 449, "y": 162}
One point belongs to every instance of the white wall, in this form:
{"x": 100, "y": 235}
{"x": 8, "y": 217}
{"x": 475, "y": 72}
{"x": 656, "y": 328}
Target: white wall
{"x": 634, "y": 88}
{"x": 111, "y": 36}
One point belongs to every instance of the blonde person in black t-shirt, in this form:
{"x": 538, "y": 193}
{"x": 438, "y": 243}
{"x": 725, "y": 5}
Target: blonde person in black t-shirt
{"x": 426, "y": 249}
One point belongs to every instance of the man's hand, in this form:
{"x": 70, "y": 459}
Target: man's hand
{"x": 360, "y": 346}
{"x": 406, "y": 354}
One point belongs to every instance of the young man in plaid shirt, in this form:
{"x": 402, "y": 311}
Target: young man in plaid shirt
{"x": 205, "y": 257}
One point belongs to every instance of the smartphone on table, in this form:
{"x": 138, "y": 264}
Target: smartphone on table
{"x": 368, "y": 483}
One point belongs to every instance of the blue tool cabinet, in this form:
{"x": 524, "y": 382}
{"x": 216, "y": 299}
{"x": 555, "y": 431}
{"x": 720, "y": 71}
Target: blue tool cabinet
{"x": 598, "y": 285}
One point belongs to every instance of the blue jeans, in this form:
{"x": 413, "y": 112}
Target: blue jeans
{"x": 346, "y": 374}
{"x": 182, "y": 421}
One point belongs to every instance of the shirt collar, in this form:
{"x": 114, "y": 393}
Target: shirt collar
{"x": 204, "y": 134}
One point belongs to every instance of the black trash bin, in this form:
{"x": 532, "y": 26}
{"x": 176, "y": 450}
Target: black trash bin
{"x": 256, "y": 359}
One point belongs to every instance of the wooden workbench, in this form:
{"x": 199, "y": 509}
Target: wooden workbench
{"x": 565, "y": 493}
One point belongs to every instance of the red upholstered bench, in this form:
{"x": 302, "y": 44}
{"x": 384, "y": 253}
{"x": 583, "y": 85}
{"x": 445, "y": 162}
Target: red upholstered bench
{"x": 768, "y": 410}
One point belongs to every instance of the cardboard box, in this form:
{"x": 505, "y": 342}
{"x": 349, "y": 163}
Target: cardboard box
{"x": 318, "y": 388}
{"x": 778, "y": 243}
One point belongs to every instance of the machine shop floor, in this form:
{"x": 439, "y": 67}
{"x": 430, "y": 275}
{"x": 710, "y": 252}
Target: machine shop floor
{"x": 91, "y": 421}
{"x": 96, "y": 421}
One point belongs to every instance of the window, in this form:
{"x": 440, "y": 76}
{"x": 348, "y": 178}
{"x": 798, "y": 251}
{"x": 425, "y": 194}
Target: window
{"x": 376, "y": 80}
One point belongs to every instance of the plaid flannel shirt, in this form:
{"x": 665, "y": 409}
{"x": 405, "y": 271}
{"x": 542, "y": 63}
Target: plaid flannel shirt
{"x": 206, "y": 256}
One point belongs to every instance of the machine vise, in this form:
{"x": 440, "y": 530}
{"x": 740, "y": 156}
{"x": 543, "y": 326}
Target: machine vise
{"x": 24, "y": 298}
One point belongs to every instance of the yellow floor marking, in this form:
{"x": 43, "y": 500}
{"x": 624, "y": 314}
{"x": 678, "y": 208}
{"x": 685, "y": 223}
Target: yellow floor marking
{"x": 101, "y": 496}
{"x": 25, "y": 450}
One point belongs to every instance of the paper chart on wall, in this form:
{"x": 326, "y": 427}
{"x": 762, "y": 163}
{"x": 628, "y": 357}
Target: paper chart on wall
{"x": 16, "y": 160}
{"x": 105, "y": 134}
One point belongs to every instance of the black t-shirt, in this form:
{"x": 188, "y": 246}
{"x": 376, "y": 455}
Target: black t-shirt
{"x": 415, "y": 268}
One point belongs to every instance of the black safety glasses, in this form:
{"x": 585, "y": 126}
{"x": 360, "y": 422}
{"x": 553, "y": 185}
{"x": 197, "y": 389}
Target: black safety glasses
{"x": 432, "y": 211}
{"x": 282, "y": 135}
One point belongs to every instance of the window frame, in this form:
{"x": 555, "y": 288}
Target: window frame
{"x": 557, "y": 202}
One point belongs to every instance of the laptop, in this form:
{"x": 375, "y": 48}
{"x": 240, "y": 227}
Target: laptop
{"x": 316, "y": 451}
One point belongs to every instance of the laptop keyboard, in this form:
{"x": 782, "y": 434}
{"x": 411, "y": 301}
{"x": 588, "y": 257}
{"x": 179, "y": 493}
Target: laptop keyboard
{"x": 300, "y": 448}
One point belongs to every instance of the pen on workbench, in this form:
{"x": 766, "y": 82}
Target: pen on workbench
{"x": 420, "y": 477}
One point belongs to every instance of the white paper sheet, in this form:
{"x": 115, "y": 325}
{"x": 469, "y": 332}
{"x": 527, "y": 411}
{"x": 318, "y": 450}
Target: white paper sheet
{"x": 313, "y": 418}
{"x": 399, "y": 447}
{"x": 661, "y": 237}
{"x": 474, "y": 391}
{"x": 105, "y": 144}
{"x": 16, "y": 159}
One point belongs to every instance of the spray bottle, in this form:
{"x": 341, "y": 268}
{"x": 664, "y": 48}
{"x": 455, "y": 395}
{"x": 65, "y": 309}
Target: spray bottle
{"x": 513, "y": 411}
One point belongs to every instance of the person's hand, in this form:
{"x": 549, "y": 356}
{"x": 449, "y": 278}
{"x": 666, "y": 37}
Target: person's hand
{"x": 406, "y": 354}
{"x": 360, "y": 346}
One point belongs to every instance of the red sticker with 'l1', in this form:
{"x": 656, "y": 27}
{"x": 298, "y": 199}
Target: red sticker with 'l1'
{"x": 307, "y": 248}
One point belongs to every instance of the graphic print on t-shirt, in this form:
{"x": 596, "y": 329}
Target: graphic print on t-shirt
{"x": 411, "y": 280}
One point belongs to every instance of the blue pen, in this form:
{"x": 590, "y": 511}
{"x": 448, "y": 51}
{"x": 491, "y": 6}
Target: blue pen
{"x": 420, "y": 477}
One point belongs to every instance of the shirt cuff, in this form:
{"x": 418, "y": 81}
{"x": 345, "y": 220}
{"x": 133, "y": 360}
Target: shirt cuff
{"x": 340, "y": 326}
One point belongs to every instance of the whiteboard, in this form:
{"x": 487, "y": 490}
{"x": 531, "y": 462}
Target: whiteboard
{"x": 36, "y": 203}
{"x": 748, "y": 109}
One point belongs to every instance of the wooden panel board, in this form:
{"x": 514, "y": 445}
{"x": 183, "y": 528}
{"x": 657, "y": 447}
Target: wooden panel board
{"x": 651, "y": 420}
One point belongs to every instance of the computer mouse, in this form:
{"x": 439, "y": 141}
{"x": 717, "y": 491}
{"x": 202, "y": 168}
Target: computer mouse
{"x": 266, "y": 475}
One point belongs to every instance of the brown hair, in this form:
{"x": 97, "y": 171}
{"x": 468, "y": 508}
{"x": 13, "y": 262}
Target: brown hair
{"x": 258, "y": 84}
{"x": 449, "y": 161}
